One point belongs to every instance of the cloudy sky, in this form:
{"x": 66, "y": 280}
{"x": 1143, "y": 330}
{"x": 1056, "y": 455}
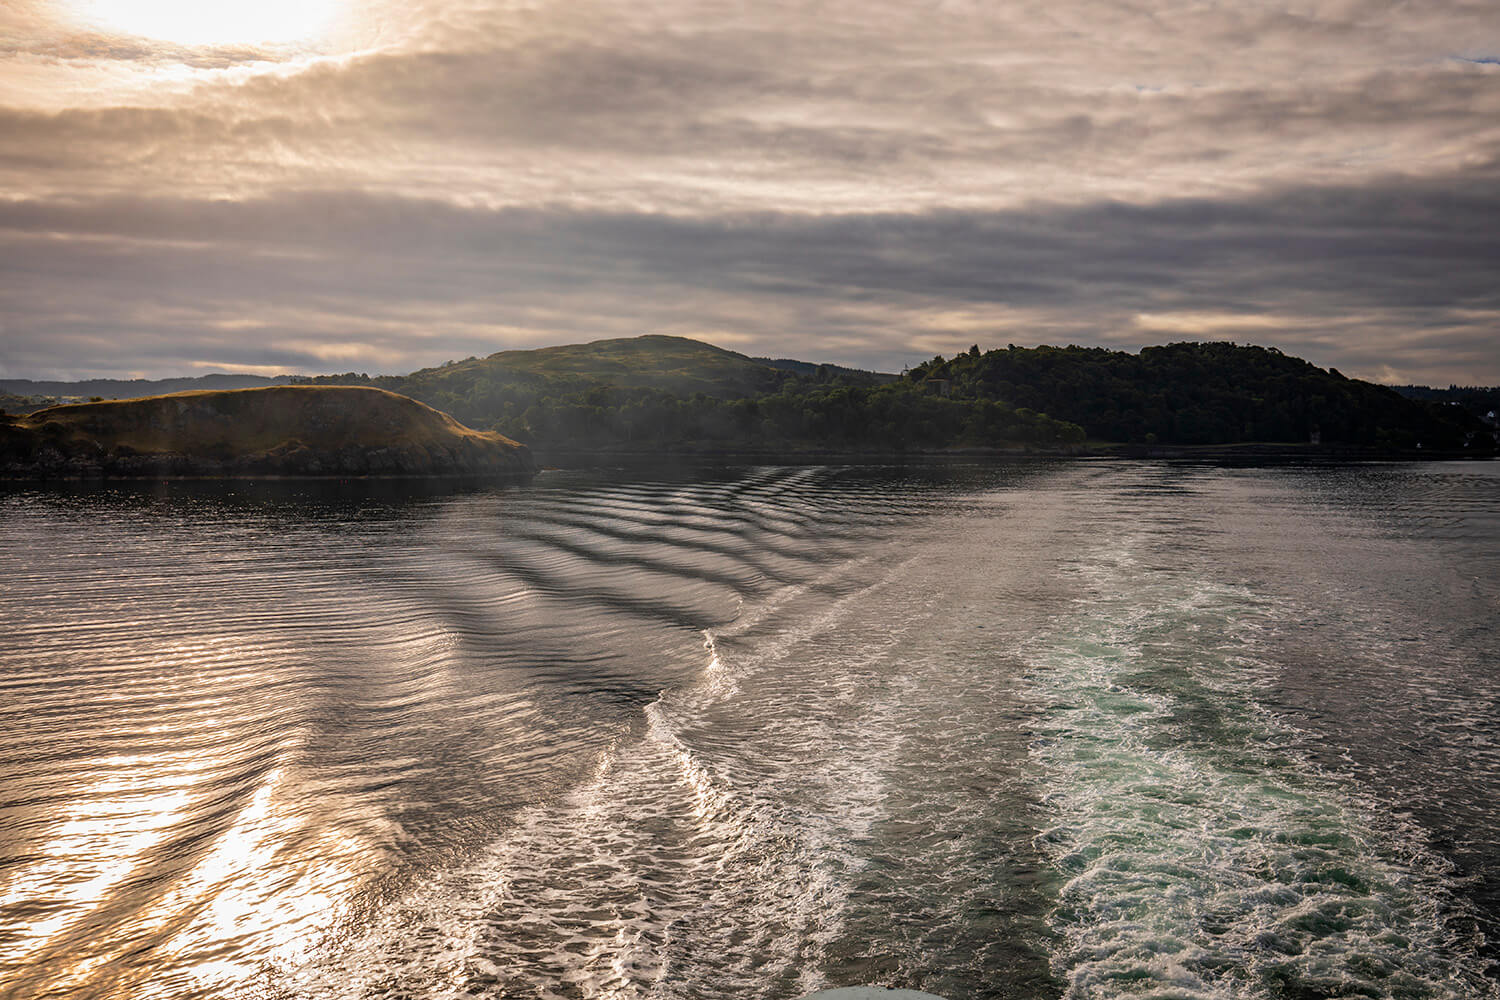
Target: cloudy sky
{"x": 372, "y": 185}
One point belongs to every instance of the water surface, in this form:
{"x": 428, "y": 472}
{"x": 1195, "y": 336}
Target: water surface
{"x": 1088, "y": 729}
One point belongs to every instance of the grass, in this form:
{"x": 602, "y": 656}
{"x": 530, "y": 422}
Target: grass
{"x": 247, "y": 421}
{"x": 674, "y": 364}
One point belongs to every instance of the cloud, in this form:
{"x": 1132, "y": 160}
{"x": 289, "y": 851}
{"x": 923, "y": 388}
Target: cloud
{"x": 858, "y": 181}
{"x": 1400, "y": 274}
{"x": 868, "y": 107}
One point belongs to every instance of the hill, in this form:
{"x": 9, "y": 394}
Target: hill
{"x": 281, "y": 430}
{"x": 655, "y": 392}
{"x": 1205, "y": 394}
{"x": 669, "y": 393}
{"x": 674, "y": 365}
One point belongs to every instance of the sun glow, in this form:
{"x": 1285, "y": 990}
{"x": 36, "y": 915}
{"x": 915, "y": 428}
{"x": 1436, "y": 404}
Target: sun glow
{"x": 221, "y": 22}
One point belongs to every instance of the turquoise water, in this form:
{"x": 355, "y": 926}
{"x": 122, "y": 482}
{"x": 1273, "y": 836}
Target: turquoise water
{"x": 1085, "y": 729}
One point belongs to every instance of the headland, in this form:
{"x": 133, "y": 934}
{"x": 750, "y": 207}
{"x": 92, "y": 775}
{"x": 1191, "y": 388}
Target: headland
{"x": 288, "y": 430}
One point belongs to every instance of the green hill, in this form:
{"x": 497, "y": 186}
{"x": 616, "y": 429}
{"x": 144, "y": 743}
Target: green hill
{"x": 1204, "y": 394}
{"x": 670, "y": 393}
{"x": 674, "y": 365}
{"x": 655, "y": 392}
{"x": 658, "y": 394}
{"x": 283, "y": 430}
{"x": 499, "y": 391}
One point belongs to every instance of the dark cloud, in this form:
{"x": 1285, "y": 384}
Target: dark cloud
{"x": 1400, "y": 275}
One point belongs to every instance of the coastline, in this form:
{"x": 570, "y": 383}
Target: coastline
{"x": 297, "y": 431}
{"x": 385, "y": 464}
{"x": 1250, "y": 453}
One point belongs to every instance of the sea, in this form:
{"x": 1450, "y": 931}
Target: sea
{"x": 1019, "y": 729}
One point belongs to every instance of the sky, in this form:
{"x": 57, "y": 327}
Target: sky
{"x": 314, "y": 186}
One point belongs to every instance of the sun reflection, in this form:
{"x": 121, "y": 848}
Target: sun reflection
{"x": 250, "y": 903}
{"x": 217, "y": 22}
{"x": 243, "y": 891}
{"x": 96, "y": 846}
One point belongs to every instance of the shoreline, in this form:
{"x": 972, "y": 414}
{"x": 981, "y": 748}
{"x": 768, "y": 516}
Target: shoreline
{"x": 562, "y": 460}
{"x": 1257, "y": 452}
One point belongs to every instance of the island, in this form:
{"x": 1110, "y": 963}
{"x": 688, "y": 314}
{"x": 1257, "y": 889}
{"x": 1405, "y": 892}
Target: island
{"x": 289, "y": 430}
{"x": 658, "y": 395}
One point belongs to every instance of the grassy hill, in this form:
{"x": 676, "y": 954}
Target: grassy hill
{"x": 500, "y": 386}
{"x": 282, "y": 430}
{"x": 656, "y": 392}
{"x": 674, "y": 365}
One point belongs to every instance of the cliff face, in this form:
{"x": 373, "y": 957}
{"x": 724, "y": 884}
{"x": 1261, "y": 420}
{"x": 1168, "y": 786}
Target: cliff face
{"x": 277, "y": 431}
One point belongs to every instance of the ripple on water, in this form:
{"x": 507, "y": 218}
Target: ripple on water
{"x": 473, "y": 743}
{"x": 1202, "y": 857}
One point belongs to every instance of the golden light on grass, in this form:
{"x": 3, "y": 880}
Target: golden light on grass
{"x": 229, "y": 22}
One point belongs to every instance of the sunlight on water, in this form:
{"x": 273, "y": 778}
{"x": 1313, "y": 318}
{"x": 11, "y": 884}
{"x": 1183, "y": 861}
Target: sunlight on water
{"x": 1089, "y": 730}
{"x": 227, "y": 892}
{"x": 650, "y": 874}
{"x": 90, "y": 849}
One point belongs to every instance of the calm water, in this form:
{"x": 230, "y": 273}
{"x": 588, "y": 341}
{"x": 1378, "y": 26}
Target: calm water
{"x": 1087, "y": 729}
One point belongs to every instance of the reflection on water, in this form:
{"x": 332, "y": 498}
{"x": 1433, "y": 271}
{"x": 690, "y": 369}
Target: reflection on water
{"x": 1091, "y": 729}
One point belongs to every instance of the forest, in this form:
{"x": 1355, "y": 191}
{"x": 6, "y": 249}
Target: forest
{"x": 1206, "y": 394}
{"x": 826, "y": 410}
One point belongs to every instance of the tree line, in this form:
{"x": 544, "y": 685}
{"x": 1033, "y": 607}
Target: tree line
{"x": 1205, "y": 394}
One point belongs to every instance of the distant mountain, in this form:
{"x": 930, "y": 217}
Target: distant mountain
{"x": 487, "y": 388}
{"x": 673, "y": 364}
{"x": 113, "y": 388}
{"x": 1482, "y": 401}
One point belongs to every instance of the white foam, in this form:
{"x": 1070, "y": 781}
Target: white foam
{"x": 1217, "y": 865}
{"x": 672, "y": 871}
